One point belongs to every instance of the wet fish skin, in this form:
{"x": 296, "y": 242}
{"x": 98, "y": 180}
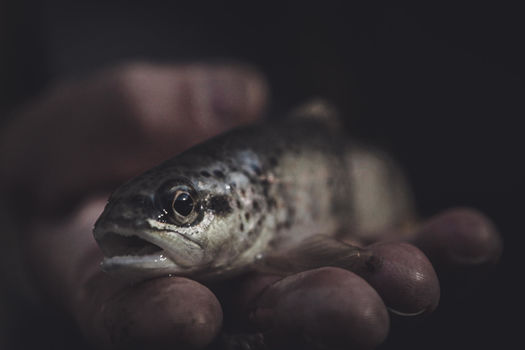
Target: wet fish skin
{"x": 257, "y": 191}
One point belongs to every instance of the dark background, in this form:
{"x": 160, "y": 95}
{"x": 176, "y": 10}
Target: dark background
{"x": 439, "y": 84}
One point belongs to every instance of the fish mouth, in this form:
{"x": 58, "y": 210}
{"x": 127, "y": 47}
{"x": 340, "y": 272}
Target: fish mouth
{"x": 146, "y": 252}
{"x": 114, "y": 244}
{"x": 134, "y": 254}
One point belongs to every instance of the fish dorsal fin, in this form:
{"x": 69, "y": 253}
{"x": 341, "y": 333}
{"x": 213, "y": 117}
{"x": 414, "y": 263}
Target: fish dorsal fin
{"x": 317, "y": 109}
{"x": 317, "y": 251}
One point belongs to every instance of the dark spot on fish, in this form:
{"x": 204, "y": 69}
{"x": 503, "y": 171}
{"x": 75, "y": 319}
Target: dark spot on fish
{"x": 247, "y": 216}
{"x": 241, "y": 227}
{"x": 256, "y": 169}
{"x": 251, "y": 178}
{"x": 266, "y": 187}
{"x": 256, "y": 228}
{"x": 274, "y": 243}
{"x": 220, "y": 205}
{"x": 218, "y": 173}
{"x": 255, "y": 206}
{"x": 243, "y": 192}
{"x": 253, "y": 232}
{"x": 238, "y": 202}
{"x": 205, "y": 173}
{"x": 233, "y": 168}
{"x": 279, "y": 226}
{"x": 260, "y": 221}
{"x": 272, "y": 203}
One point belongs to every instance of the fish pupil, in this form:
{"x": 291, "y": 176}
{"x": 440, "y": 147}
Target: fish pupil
{"x": 183, "y": 204}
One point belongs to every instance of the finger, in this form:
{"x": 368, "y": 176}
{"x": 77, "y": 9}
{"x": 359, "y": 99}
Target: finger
{"x": 174, "y": 312}
{"x": 404, "y": 278}
{"x": 328, "y": 307}
{"x": 96, "y": 132}
{"x": 399, "y": 272}
{"x": 463, "y": 245}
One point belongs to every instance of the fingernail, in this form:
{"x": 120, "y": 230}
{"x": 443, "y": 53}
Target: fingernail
{"x": 406, "y": 280}
{"x": 407, "y": 314}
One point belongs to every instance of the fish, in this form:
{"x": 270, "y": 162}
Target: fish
{"x": 283, "y": 194}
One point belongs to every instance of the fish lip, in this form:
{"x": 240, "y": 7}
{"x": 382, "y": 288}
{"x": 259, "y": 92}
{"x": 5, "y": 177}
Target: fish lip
{"x": 157, "y": 262}
{"x": 100, "y": 233}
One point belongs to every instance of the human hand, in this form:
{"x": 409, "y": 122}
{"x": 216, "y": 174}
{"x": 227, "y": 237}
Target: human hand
{"x": 70, "y": 148}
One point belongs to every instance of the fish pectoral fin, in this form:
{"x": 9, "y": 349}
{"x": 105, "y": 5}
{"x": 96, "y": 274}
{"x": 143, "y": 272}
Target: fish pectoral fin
{"x": 318, "y": 251}
{"x": 319, "y": 110}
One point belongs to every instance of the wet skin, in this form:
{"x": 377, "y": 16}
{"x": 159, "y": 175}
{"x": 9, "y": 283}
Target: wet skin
{"x": 78, "y": 141}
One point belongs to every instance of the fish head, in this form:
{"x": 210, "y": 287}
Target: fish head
{"x": 170, "y": 221}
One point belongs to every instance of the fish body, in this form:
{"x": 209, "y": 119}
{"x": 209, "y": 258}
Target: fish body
{"x": 222, "y": 207}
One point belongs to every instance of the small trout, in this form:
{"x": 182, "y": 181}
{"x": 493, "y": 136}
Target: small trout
{"x": 237, "y": 201}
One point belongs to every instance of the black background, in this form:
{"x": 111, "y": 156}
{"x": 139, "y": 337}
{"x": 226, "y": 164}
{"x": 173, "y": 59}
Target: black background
{"x": 439, "y": 84}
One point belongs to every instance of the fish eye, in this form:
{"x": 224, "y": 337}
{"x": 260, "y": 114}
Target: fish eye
{"x": 183, "y": 204}
{"x": 178, "y": 203}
